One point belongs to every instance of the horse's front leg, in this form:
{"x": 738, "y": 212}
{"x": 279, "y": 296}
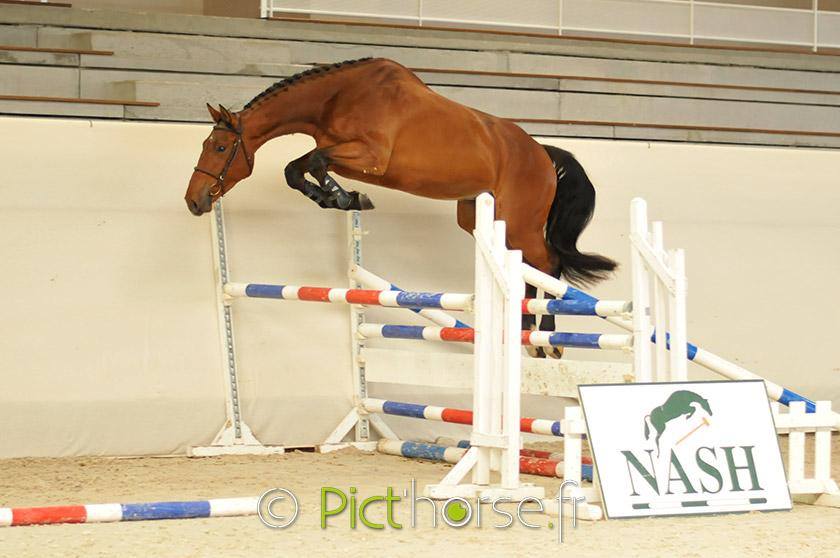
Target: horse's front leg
{"x": 351, "y": 155}
{"x": 296, "y": 179}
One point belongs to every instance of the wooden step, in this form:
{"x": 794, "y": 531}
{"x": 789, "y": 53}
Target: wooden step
{"x": 38, "y": 3}
{"x": 79, "y": 100}
{"x": 57, "y": 50}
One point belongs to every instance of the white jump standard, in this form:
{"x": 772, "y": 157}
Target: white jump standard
{"x": 234, "y": 436}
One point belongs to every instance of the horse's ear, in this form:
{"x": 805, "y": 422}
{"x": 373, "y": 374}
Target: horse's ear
{"x": 217, "y": 116}
{"x": 226, "y": 115}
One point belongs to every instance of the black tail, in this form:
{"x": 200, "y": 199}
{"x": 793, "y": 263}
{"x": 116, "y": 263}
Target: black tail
{"x": 574, "y": 203}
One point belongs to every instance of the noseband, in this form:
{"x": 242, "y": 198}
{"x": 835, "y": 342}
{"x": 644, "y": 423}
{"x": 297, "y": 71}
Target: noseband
{"x": 218, "y": 187}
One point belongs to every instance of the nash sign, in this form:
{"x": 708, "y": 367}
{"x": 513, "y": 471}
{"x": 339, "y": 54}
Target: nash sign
{"x": 684, "y": 448}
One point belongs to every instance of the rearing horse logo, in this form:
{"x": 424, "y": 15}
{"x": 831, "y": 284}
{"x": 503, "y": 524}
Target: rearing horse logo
{"x": 679, "y": 403}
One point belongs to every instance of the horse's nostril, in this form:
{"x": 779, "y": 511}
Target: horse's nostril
{"x": 193, "y": 207}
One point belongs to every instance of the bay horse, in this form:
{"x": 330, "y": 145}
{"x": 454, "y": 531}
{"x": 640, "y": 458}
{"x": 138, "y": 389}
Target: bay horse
{"x": 375, "y": 121}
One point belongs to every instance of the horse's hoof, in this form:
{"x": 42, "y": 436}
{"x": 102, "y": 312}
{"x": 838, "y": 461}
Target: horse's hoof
{"x": 322, "y": 203}
{"x": 534, "y": 352}
{"x": 364, "y": 202}
{"x": 554, "y": 352}
{"x": 343, "y": 201}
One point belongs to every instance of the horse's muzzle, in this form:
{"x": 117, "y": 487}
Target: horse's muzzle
{"x": 193, "y": 207}
{"x": 202, "y": 206}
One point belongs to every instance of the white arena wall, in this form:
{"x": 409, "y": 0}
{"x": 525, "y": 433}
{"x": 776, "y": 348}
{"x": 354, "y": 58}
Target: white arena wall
{"x": 109, "y": 342}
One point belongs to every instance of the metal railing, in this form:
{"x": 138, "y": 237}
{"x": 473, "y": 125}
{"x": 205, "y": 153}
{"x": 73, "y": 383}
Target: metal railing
{"x": 682, "y": 20}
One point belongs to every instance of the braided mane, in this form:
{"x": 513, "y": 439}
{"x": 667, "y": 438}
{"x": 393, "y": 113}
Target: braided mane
{"x": 285, "y": 83}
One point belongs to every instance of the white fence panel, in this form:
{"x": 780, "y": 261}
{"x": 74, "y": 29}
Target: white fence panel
{"x": 751, "y": 24}
{"x": 829, "y": 29}
{"x": 541, "y": 15}
{"x": 659, "y": 18}
{"x": 385, "y": 9}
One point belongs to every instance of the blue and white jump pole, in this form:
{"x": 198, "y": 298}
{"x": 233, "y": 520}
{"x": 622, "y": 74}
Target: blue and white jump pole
{"x": 370, "y": 280}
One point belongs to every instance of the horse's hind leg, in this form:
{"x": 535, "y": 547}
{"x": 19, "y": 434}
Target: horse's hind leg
{"x": 466, "y": 214}
{"x": 527, "y": 234}
{"x": 547, "y": 323}
{"x": 466, "y": 220}
{"x": 529, "y": 323}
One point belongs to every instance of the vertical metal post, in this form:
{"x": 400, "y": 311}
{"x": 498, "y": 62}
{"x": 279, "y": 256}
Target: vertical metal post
{"x": 420, "y": 13}
{"x": 226, "y": 324}
{"x": 816, "y": 9}
{"x": 559, "y": 17}
{"x": 357, "y": 317}
{"x": 691, "y": 22}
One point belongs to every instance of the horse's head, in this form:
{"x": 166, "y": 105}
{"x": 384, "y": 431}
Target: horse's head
{"x": 224, "y": 161}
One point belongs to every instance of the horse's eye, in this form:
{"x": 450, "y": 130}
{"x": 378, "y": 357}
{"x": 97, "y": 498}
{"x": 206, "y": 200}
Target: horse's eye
{"x": 220, "y": 148}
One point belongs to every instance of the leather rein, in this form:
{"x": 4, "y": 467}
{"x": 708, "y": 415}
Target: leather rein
{"x": 218, "y": 188}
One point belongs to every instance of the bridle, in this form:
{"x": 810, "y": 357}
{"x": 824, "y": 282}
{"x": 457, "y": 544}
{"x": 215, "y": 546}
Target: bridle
{"x": 218, "y": 187}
